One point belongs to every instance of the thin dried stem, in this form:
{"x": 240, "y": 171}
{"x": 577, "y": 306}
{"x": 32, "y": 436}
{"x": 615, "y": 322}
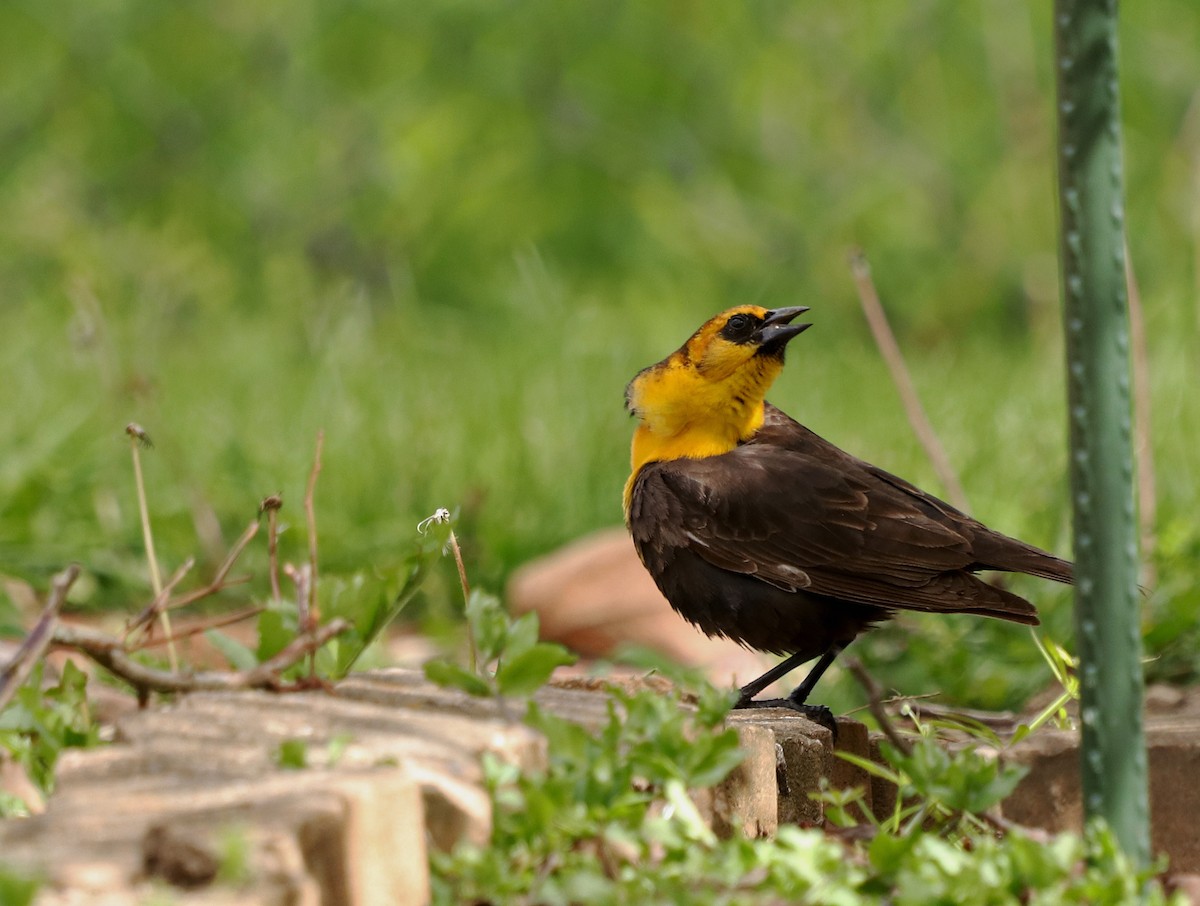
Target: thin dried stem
{"x": 137, "y": 439}
{"x": 159, "y": 603}
{"x": 890, "y": 350}
{"x": 17, "y": 670}
{"x": 1002, "y": 723}
{"x": 311, "y": 614}
{"x": 1147, "y": 493}
{"x": 109, "y": 653}
{"x": 301, "y": 577}
{"x": 270, "y": 506}
{"x": 466, "y": 590}
{"x": 219, "y": 580}
{"x": 205, "y": 625}
{"x": 875, "y": 704}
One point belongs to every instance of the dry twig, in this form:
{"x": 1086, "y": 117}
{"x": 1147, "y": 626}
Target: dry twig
{"x": 1002, "y": 723}
{"x": 466, "y": 590}
{"x": 219, "y": 580}
{"x": 109, "y": 653}
{"x": 890, "y": 350}
{"x": 17, "y": 670}
{"x": 875, "y": 704}
{"x": 441, "y": 516}
{"x": 270, "y": 506}
{"x": 204, "y": 625}
{"x": 138, "y": 438}
{"x": 301, "y": 577}
{"x": 159, "y": 604}
{"x": 309, "y": 613}
{"x": 163, "y": 602}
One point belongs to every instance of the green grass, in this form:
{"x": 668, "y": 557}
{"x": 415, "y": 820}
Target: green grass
{"x": 449, "y": 233}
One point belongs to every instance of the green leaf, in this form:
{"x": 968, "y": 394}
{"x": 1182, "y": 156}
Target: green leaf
{"x": 371, "y": 601}
{"x": 489, "y": 624}
{"x": 276, "y": 628}
{"x": 450, "y": 675}
{"x": 719, "y": 755}
{"x": 292, "y": 754}
{"x": 17, "y": 889}
{"x": 522, "y": 635}
{"x": 528, "y": 672}
{"x": 338, "y": 744}
{"x": 238, "y": 655}
{"x": 887, "y": 852}
{"x": 871, "y": 767}
{"x": 72, "y": 685}
{"x": 686, "y": 813}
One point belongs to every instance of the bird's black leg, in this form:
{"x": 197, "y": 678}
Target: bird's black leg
{"x": 782, "y": 669}
{"x": 797, "y": 699}
{"x": 799, "y": 695}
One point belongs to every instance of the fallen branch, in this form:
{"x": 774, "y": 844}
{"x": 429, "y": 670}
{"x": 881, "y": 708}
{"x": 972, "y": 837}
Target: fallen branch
{"x": 17, "y": 670}
{"x": 109, "y": 653}
{"x": 890, "y": 350}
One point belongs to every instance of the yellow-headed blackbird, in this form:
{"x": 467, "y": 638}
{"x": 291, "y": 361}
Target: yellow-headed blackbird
{"x": 756, "y": 529}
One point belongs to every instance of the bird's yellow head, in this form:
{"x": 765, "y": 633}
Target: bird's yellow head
{"x": 707, "y": 396}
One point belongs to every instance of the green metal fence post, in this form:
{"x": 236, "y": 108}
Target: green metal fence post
{"x": 1097, "y": 327}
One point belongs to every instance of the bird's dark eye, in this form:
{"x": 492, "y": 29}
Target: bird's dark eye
{"x": 738, "y": 328}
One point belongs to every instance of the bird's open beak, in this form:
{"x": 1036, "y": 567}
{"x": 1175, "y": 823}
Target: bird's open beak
{"x": 777, "y": 328}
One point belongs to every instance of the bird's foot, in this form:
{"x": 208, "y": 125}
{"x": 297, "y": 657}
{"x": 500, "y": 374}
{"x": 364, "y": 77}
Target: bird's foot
{"x": 819, "y": 714}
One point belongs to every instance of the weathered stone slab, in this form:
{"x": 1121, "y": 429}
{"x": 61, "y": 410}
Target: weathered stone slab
{"x": 393, "y": 763}
{"x": 361, "y": 729}
{"x": 347, "y": 837}
{"x": 1050, "y": 796}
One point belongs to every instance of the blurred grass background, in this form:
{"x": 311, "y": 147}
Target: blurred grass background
{"x": 449, "y": 232}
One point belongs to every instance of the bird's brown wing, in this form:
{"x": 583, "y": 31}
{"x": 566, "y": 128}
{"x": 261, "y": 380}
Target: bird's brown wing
{"x": 990, "y": 549}
{"x": 805, "y": 520}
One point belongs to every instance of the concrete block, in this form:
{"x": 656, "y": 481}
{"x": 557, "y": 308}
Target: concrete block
{"x": 745, "y": 801}
{"x": 1050, "y": 796}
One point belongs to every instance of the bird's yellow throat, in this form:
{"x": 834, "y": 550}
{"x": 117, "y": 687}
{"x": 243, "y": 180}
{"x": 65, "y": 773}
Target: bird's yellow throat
{"x": 686, "y": 413}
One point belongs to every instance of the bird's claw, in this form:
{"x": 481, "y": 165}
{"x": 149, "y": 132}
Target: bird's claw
{"x": 818, "y": 714}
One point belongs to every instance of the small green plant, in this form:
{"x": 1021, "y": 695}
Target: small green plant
{"x": 233, "y": 856}
{"x": 937, "y": 787}
{"x": 523, "y": 664}
{"x": 40, "y": 723}
{"x": 368, "y": 600}
{"x": 292, "y": 754}
{"x": 612, "y": 817}
{"x": 17, "y": 889}
{"x": 298, "y": 754}
{"x": 1063, "y": 666}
